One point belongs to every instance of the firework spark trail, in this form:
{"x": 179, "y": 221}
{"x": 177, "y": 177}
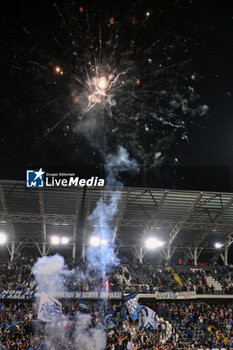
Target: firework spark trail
{"x": 37, "y": 64}
{"x": 47, "y": 104}
{"x": 117, "y": 78}
{"x": 59, "y": 122}
{"x": 163, "y": 121}
{"x": 64, "y": 22}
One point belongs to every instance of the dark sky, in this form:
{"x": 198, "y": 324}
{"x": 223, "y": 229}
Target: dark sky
{"x": 27, "y": 35}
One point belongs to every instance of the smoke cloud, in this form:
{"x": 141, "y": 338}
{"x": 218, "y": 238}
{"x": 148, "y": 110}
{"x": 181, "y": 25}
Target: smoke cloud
{"x": 118, "y": 162}
{"x": 49, "y": 272}
{"x": 86, "y": 338}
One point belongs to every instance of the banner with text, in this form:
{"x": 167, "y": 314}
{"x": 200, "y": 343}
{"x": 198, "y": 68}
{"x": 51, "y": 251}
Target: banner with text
{"x": 30, "y": 295}
{"x": 178, "y": 295}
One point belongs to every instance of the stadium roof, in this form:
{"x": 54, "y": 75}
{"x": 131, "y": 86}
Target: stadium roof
{"x": 180, "y": 218}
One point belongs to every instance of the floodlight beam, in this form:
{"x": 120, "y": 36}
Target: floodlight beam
{"x": 153, "y": 243}
{"x": 3, "y": 238}
{"x": 55, "y": 240}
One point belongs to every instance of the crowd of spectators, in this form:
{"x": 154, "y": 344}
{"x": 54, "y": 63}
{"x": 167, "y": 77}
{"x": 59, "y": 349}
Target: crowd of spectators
{"x": 209, "y": 325}
{"x": 194, "y": 325}
{"x": 225, "y": 277}
{"x": 17, "y": 275}
{"x": 192, "y": 279}
{"x": 162, "y": 280}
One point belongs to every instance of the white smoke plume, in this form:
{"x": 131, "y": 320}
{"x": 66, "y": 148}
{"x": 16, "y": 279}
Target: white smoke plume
{"x": 87, "y": 338}
{"x": 49, "y": 272}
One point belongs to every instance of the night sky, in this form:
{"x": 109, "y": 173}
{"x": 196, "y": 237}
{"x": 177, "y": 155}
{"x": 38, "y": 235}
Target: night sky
{"x": 167, "y": 53}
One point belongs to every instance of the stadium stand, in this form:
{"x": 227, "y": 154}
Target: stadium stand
{"x": 150, "y": 279}
{"x": 192, "y": 301}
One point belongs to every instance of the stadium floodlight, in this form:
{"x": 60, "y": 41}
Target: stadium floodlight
{"x": 95, "y": 241}
{"x": 218, "y": 245}
{"x": 65, "y": 240}
{"x": 152, "y": 243}
{"x": 103, "y": 242}
{"x": 55, "y": 240}
{"x": 3, "y": 238}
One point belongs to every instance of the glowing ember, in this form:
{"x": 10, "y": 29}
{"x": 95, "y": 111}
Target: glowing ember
{"x": 58, "y": 70}
{"x": 94, "y": 98}
{"x": 101, "y": 83}
{"x": 101, "y": 90}
{"x": 76, "y": 100}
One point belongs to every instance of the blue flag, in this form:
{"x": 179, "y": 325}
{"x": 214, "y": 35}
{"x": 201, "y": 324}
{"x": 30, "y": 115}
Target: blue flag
{"x": 82, "y": 306}
{"x": 132, "y": 305}
{"x": 99, "y": 326}
{"x": 111, "y": 325}
{"x": 106, "y": 319}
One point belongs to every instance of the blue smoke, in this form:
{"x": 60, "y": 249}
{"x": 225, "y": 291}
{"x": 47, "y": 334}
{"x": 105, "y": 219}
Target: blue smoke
{"x": 103, "y": 257}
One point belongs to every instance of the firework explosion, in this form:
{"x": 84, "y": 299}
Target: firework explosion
{"x": 117, "y": 81}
